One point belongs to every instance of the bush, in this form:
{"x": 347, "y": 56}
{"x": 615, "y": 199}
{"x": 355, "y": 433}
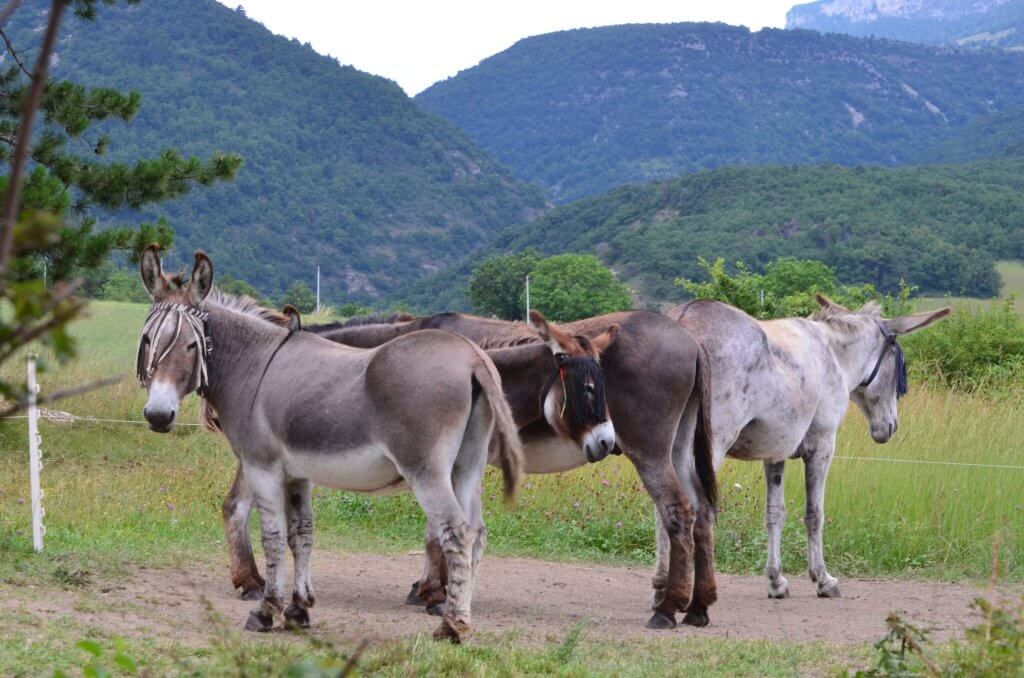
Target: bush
{"x": 994, "y": 647}
{"x": 121, "y": 285}
{"x": 237, "y": 286}
{"x": 499, "y": 283}
{"x": 573, "y": 286}
{"x": 972, "y": 349}
{"x": 786, "y": 289}
{"x": 300, "y": 296}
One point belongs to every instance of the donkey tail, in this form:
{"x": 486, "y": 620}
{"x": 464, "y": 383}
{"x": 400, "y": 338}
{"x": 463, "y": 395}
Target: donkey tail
{"x": 208, "y": 417}
{"x": 506, "y": 433}
{"x": 703, "y": 446}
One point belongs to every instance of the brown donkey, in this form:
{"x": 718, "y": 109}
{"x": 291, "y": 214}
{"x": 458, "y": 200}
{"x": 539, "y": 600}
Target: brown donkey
{"x": 297, "y": 409}
{"x": 657, "y": 385}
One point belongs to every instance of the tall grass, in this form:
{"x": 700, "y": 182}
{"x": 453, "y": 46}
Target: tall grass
{"x": 118, "y": 493}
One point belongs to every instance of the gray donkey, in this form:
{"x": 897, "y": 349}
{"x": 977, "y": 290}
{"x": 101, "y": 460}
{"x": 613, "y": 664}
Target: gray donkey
{"x": 298, "y": 409}
{"x": 780, "y": 389}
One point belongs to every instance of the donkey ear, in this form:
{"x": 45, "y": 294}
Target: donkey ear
{"x": 602, "y": 341}
{"x": 201, "y": 282}
{"x": 552, "y": 336}
{"x": 912, "y": 323}
{"x": 294, "y": 318}
{"x": 829, "y": 305}
{"x": 153, "y": 273}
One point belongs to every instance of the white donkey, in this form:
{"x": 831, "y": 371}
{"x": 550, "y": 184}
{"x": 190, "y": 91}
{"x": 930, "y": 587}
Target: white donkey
{"x": 780, "y": 389}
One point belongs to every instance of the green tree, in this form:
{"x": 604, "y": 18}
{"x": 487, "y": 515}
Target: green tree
{"x": 499, "y": 283}
{"x": 232, "y": 285}
{"x": 300, "y": 296}
{"x": 786, "y": 288}
{"x": 572, "y": 286}
{"x": 44, "y": 215}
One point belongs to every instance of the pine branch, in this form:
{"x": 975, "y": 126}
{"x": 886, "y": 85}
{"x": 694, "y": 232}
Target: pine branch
{"x": 10, "y": 48}
{"x": 12, "y": 202}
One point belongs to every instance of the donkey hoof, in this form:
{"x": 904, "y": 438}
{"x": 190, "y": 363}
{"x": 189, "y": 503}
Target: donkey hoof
{"x": 252, "y": 594}
{"x": 414, "y": 595}
{"x": 697, "y": 618}
{"x": 296, "y": 617}
{"x": 259, "y": 622}
{"x": 829, "y": 591}
{"x": 661, "y": 621}
{"x": 452, "y": 630}
{"x": 436, "y": 610}
{"x": 778, "y": 594}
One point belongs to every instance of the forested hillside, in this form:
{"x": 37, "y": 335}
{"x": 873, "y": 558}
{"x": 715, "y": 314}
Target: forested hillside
{"x": 1000, "y": 134}
{"x": 967, "y": 23}
{"x": 939, "y": 228}
{"x": 585, "y": 110}
{"x": 341, "y": 167}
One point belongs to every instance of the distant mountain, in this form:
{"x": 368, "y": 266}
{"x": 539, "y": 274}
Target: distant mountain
{"x": 585, "y": 110}
{"x": 966, "y": 23}
{"x": 940, "y": 228}
{"x": 341, "y": 167}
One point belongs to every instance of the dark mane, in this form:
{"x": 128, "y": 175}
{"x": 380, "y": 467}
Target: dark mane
{"x": 360, "y": 320}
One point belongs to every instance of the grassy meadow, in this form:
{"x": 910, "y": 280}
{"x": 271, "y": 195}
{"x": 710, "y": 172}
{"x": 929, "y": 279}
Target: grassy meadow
{"x": 118, "y": 495}
{"x": 1012, "y": 274}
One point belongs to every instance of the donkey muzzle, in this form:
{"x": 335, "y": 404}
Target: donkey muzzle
{"x": 599, "y": 442}
{"x": 162, "y": 407}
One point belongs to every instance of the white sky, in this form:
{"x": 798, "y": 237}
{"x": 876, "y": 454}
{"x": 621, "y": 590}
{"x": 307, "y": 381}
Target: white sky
{"x": 418, "y": 42}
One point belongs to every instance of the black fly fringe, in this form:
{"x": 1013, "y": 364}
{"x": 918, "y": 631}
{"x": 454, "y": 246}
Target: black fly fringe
{"x": 575, "y": 373}
{"x": 902, "y": 381}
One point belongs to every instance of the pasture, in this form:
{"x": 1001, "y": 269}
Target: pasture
{"x": 120, "y": 498}
{"x": 1012, "y": 274}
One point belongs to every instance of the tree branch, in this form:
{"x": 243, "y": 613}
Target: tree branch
{"x": 20, "y": 405}
{"x": 10, "y": 48}
{"x": 12, "y": 202}
{"x": 7, "y": 11}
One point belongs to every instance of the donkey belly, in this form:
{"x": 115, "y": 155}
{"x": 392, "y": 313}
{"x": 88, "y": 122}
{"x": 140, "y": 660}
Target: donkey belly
{"x": 551, "y": 454}
{"x": 361, "y": 469}
{"x": 767, "y": 441}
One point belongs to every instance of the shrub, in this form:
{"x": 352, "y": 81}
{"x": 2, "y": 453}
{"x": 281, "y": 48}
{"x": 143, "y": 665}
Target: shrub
{"x": 121, "y": 285}
{"x": 787, "y": 288}
{"x": 499, "y": 282}
{"x": 300, "y": 296}
{"x": 972, "y": 349}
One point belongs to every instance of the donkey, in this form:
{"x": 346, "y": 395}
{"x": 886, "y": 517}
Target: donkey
{"x": 657, "y": 384}
{"x": 780, "y": 391}
{"x": 554, "y": 386}
{"x": 299, "y": 409}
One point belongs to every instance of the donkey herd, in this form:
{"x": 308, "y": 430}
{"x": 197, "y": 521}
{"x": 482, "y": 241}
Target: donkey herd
{"x": 387, "y": 404}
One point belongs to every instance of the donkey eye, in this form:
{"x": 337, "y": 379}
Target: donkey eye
{"x": 192, "y": 346}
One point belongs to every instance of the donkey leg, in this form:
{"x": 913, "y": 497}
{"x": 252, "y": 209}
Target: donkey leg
{"x": 774, "y": 519}
{"x": 676, "y": 515}
{"x": 705, "y": 587}
{"x": 436, "y": 497}
{"x": 660, "y": 576}
{"x": 431, "y": 590}
{"x": 816, "y": 464}
{"x": 245, "y": 574}
{"x": 268, "y": 489}
{"x": 300, "y": 539}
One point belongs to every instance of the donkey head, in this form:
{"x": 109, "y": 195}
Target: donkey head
{"x": 876, "y": 359}
{"x": 174, "y": 344}
{"x": 574, "y": 401}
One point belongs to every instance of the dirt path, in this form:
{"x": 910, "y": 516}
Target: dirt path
{"x": 362, "y": 595}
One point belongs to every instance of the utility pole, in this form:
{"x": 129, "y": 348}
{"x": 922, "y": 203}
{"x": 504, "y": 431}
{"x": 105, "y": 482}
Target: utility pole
{"x": 318, "y": 288}
{"x": 527, "y": 297}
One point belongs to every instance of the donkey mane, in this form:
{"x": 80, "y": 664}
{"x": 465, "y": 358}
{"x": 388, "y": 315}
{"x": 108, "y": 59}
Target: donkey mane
{"x": 246, "y": 306}
{"x": 360, "y": 320}
{"x": 846, "y": 318}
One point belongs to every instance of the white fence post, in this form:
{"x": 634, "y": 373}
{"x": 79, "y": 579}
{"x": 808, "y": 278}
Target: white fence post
{"x": 35, "y": 458}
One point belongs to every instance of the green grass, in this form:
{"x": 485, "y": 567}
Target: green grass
{"x": 31, "y": 643}
{"x": 1012, "y": 274}
{"x": 118, "y": 495}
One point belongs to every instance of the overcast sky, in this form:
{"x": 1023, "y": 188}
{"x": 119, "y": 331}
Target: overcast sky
{"x": 418, "y": 42}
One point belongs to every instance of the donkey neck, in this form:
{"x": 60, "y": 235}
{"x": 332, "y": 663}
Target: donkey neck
{"x": 242, "y": 346}
{"x": 855, "y": 347}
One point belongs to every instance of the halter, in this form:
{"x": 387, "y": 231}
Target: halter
{"x": 194, "y": 320}
{"x": 901, "y": 362}
{"x": 578, "y": 370}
